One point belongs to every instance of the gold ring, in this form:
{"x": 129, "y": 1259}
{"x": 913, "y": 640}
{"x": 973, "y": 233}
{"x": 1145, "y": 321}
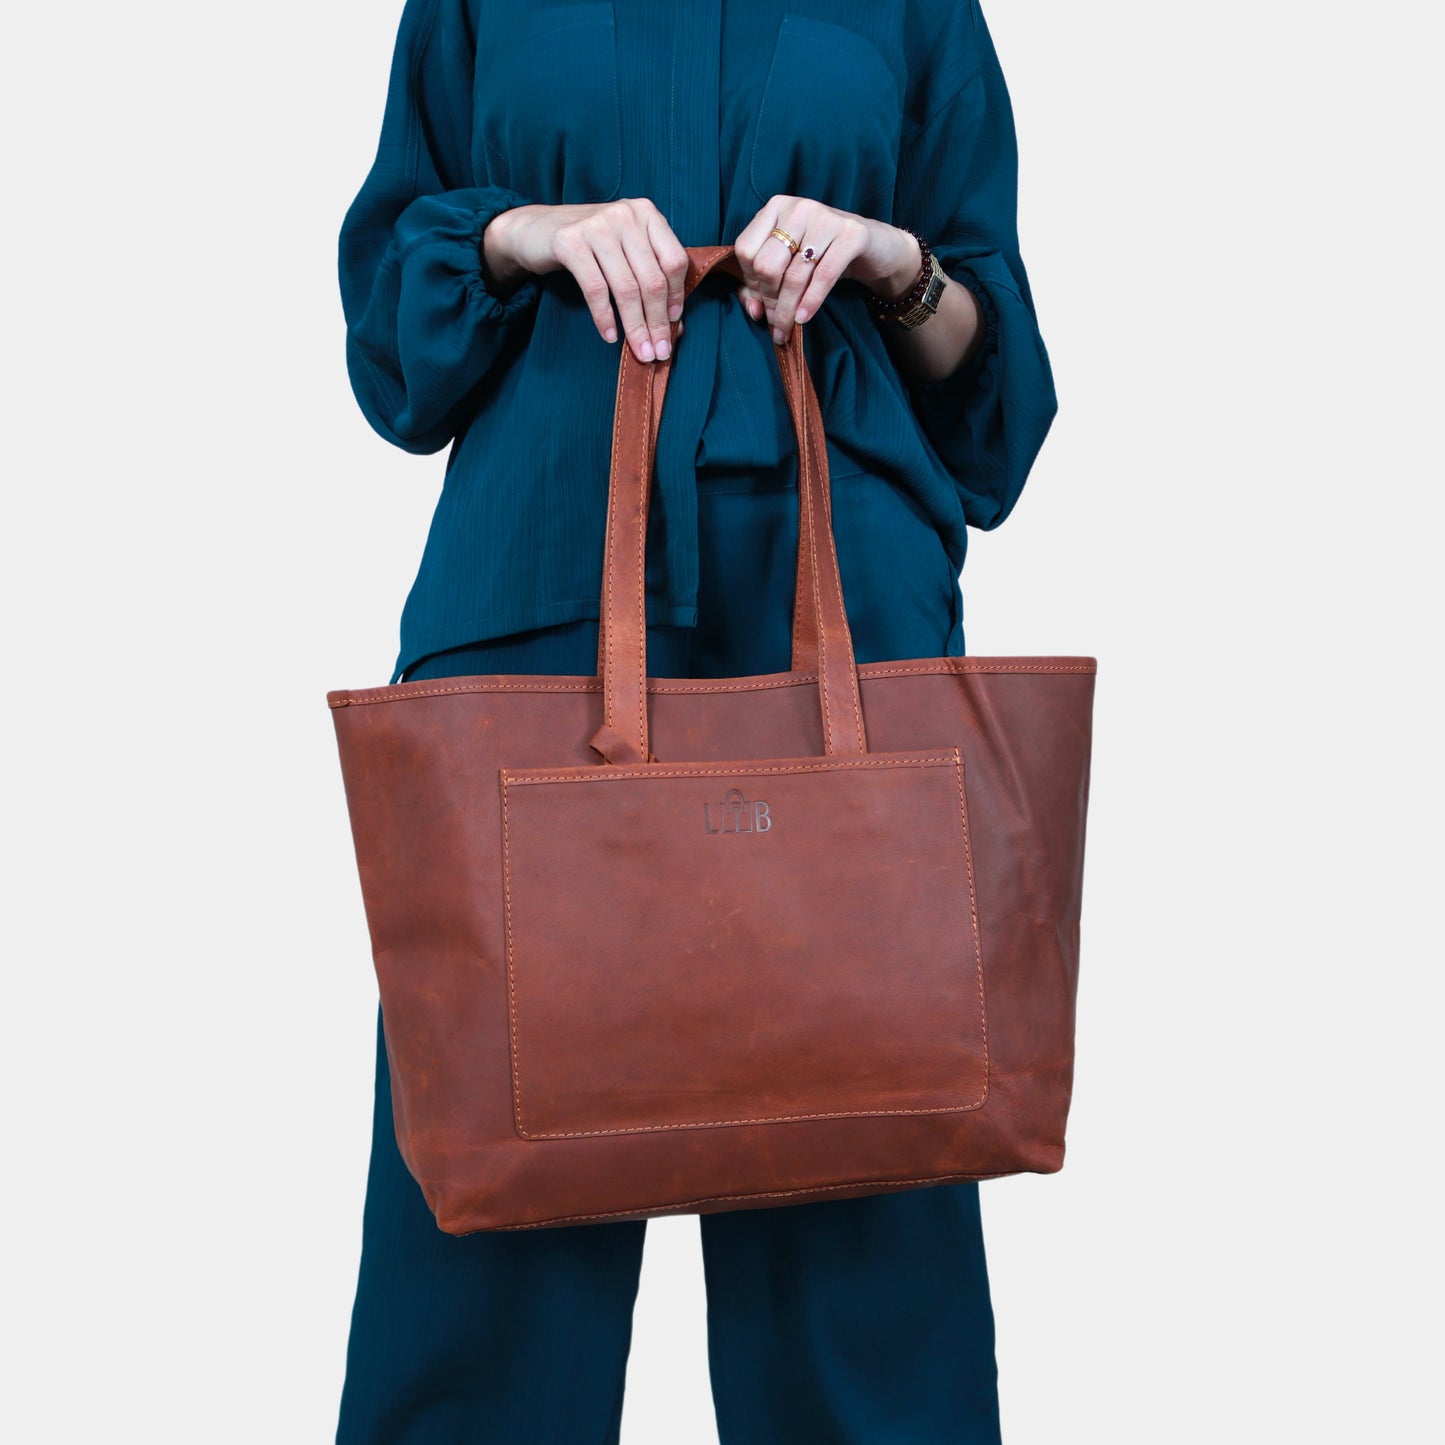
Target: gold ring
{"x": 783, "y": 236}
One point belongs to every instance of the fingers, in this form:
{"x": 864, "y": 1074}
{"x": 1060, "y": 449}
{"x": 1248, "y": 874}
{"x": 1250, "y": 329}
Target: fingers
{"x": 791, "y": 285}
{"x": 782, "y": 285}
{"x": 581, "y": 261}
{"x": 624, "y": 291}
{"x": 831, "y": 265}
{"x": 624, "y": 255}
{"x": 644, "y": 310}
{"x": 751, "y": 302}
{"x": 627, "y": 260}
{"x": 763, "y": 259}
{"x": 750, "y": 239}
{"x": 672, "y": 257}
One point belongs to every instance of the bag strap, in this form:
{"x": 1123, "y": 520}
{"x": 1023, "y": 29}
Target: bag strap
{"x": 805, "y": 618}
{"x": 820, "y": 624}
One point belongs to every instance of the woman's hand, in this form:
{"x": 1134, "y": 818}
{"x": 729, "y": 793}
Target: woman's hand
{"x": 789, "y": 286}
{"x": 621, "y": 252}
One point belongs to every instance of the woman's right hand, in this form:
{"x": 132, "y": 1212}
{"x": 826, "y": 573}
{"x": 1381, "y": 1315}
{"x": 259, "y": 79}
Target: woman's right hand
{"x": 621, "y": 252}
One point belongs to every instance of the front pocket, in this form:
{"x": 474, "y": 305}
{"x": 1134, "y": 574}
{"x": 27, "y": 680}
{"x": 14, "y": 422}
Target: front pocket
{"x": 695, "y": 945}
{"x": 829, "y": 122}
{"x": 547, "y": 106}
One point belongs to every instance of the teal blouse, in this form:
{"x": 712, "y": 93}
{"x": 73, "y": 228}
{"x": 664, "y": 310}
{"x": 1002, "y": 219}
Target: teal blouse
{"x": 894, "y": 109}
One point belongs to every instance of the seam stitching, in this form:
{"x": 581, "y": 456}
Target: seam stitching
{"x": 511, "y": 980}
{"x": 690, "y": 1205}
{"x": 805, "y": 438}
{"x": 510, "y": 778}
{"x": 609, "y": 690}
{"x": 702, "y": 770}
{"x": 641, "y": 498}
{"x": 973, "y": 914}
{"x": 826, "y": 521}
{"x": 753, "y": 1119}
{"x": 406, "y": 691}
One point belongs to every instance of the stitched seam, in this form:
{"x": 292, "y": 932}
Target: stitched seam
{"x": 805, "y": 519}
{"x": 973, "y": 914}
{"x": 827, "y": 522}
{"x": 980, "y": 665}
{"x": 610, "y": 689}
{"x": 511, "y": 978}
{"x": 818, "y": 519}
{"x": 608, "y": 775}
{"x": 413, "y": 118}
{"x": 927, "y": 124}
{"x": 692, "y": 1204}
{"x": 797, "y": 590}
{"x": 812, "y": 38}
{"x": 751, "y": 1119}
{"x": 611, "y": 775}
{"x": 797, "y": 610}
{"x": 641, "y": 528}
{"x": 763, "y": 110}
{"x": 805, "y": 447}
{"x": 616, "y": 103}
{"x": 672, "y": 167}
{"x": 406, "y": 691}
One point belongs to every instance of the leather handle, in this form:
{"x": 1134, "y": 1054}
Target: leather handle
{"x": 820, "y": 624}
{"x": 805, "y": 617}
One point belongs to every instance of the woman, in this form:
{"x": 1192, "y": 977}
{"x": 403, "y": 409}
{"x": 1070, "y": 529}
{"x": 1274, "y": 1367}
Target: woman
{"x": 539, "y": 173}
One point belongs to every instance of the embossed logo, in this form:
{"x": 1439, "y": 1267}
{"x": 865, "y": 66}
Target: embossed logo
{"x": 735, "y": 814}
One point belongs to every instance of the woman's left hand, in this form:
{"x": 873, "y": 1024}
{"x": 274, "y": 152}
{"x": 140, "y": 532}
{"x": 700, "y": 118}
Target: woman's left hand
{"x": 786, "y": 286}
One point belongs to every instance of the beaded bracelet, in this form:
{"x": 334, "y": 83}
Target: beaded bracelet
{"x": 881, "y": 307}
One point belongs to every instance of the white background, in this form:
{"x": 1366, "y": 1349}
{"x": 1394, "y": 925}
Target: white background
{"x": 1224, "y": 214}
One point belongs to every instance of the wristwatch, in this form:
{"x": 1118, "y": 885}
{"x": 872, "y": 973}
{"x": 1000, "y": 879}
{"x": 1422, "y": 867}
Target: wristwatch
{"x": 932, "y": 293}
{"x": 921, "y": 299}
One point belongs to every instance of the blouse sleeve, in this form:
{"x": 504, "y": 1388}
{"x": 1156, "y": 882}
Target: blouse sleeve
{"x": 422, "y": 325}
{"x": 957, "y": 187}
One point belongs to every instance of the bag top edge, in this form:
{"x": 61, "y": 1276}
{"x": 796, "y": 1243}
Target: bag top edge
{"x": 533, "y": 682}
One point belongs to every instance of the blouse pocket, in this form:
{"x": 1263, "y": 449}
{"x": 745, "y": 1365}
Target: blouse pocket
{"x": 547, "y": 106}
{"x": 830, "y": 118}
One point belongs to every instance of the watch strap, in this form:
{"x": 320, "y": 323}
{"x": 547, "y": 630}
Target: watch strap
{"x": 927, "y": 304}
{"x": 921, "y": 299}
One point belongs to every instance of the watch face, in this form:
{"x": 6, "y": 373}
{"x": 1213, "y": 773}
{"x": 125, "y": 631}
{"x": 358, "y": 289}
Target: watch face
{"x": 935, "y": 287}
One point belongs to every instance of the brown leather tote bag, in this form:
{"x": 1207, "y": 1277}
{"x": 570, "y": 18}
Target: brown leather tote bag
{"x": 651, "y": 945}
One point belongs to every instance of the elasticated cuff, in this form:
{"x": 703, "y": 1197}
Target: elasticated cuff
{"x": 492, "y": 307}
{"x": 964, "y": 374}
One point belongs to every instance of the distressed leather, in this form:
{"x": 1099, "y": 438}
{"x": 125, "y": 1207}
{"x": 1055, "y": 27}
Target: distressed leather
{"x": 661, "y": 945}
{"x": 821, "y": 636}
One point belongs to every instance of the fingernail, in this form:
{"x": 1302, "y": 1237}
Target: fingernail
{"x": 801, "y": 314}
{"x": 611, "y": 333}
{"x": 647, "y": 352}
{"x": 663, "y": 351}
{"x": 778, "y": 335}
{"x": 673, "y": 312}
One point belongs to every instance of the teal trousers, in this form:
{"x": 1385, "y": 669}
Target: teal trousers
{"x": 842, "y": 1322}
